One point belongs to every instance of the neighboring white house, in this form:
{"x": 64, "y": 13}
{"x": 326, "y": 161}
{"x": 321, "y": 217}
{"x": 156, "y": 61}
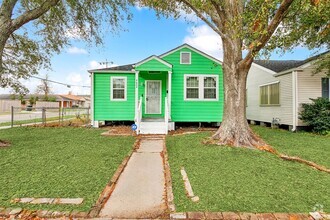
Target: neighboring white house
{"x": 276, "y": 89}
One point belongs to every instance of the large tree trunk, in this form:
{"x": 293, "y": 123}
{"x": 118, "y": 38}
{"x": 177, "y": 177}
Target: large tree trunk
{"x": 234, "y": 129}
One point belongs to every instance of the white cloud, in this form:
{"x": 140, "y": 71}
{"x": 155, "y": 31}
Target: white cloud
{"x": 73, "y": 33}
{"x": 205, "y": 39}
{"x": 76, "y": 50}
{"x": 139, "y": 7}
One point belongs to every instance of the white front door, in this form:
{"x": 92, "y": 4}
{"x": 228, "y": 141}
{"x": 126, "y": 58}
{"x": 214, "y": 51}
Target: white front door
{"x": 153, "y": 96}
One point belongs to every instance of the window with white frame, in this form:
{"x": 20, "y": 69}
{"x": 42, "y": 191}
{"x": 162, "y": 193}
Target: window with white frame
{"x": 118, "y": 88}
{"x": 270, "y": 94}
{"x": 325, "y": 88}
{"x": 200, "y": 87}
{"x": 185, "y": 58}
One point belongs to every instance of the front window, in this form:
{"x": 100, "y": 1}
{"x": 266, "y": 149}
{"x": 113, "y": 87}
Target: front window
{"x": 118, "y": 88}
{"x": 210, "y": 88}
{"x": 325, "y": 88}
{"x": 201, "y": 87}
{"x": 270, "y": 94}
{"x": 192, "y": 87}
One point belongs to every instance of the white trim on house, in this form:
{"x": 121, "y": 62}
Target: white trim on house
{"x": 136, "y": 84}
{"x": 264, "y": 68}
{"x": 112, "y": 71}
{"x": 184, "y": 52}
{"x": 160, "y": 94}
{"x": 151, "y": 58}
{"x": 200, "y": 87}
{"x": 169, "y": 91}
{"x": 267, "y": 84}
{"x": 111, "y": 88}
{"x": 294, "y": 100}
{"x": 92, "y": 100}
{"x": 193, "y": 49}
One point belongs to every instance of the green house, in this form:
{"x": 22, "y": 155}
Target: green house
{"x": 181, "y": 85}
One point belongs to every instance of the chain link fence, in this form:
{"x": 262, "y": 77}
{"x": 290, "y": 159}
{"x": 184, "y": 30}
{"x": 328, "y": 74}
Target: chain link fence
{"x": 45, "y": 116}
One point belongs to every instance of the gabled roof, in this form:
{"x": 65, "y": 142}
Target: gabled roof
{"x": 130, "y": 67}
{"x": 73, "y": 97}
{"x": 193, "y": 49}
{"x": 153, "y": 57}
{"x": 283, "y": 65}
{"x": 279, "y": 65}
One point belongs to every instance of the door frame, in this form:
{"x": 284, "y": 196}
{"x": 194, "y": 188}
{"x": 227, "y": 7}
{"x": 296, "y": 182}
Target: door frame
{"x": 160, "y": 98}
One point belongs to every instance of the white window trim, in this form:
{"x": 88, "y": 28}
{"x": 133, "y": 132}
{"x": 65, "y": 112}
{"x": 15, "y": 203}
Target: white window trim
{"x": 160, "y": 94}
{"x": 189, "y": 58}
{"x": 200, "y": 87}
{"x": 279, "y": 94}
{"x": 111, "y": 88}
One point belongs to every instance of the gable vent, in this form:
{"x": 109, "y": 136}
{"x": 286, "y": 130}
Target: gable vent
{"x": 185, "y": 58}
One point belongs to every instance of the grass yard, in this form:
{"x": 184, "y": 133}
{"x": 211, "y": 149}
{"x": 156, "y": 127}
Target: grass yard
{"x": 306, "y": 145}
{"x": 58, "y": 162}
{"x": 232, "y": 179}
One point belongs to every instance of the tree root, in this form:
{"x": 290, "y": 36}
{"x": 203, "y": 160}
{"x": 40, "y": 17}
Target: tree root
{"x": 295, "y": 159}
{"x": 251, "y": 140}
{"x": 309, "y": 163}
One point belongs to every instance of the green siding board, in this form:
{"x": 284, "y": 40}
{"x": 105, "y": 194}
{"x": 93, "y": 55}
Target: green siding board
{"x": 104, "y": 108}
{"x": 194, "y": 111}
{"x": 153, "y": 65}
{"x": 181, "y": 111}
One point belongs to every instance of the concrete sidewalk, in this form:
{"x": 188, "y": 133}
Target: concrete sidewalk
{"x": 140, "y": 190}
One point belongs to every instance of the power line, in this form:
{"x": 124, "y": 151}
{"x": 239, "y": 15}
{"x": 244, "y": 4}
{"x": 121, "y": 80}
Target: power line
{"x": 65, "y": 84}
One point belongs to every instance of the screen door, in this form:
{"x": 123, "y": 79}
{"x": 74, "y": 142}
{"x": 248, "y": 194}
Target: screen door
{"x": 153, "y": 97}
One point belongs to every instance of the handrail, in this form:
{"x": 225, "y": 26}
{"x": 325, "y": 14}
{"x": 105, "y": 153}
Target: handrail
{"x": 166, "y": 115}
{"x": 139, "y": 116}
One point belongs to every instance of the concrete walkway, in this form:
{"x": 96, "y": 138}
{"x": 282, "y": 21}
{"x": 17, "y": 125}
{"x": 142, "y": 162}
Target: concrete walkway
{"x": 140, "y": 190}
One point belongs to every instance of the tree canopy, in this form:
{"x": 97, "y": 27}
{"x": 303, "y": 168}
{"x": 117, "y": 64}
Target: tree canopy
{"x": 32, "y": 30}
{"x": 249, "y": 28}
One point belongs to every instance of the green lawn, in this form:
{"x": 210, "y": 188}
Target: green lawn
{"x": 58, "y": 162}
{"x": 232, "y": 179}
{"x": 309, "y": 146}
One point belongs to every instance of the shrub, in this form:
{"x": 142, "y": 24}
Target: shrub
{"x": 317, "y": 115}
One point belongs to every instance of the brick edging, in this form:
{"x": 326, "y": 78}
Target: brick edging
{"x": 19, "y": 213}
{"x": 249, "y": 216}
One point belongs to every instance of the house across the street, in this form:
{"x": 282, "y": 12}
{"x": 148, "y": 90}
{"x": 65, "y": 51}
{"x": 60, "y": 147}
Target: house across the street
{"x": 276, "y": 90}
{"x": 181, "y": 85}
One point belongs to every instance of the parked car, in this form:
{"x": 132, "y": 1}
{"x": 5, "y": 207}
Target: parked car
{"x": 29, "y": 108}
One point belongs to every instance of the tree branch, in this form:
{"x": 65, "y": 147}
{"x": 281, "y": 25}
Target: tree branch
{"x": 7, "y": 8}
{"x": 222, "y": 15}
{"x": 33, "y": 14}
{"x": 263, "y": 39}
{"x": 201, "y": 16}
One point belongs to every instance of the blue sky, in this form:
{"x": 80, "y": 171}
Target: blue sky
{"x": 145, "y": 35}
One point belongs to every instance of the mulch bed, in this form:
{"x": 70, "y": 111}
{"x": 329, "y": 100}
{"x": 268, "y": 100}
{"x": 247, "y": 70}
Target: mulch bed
{"x": 118, "y": 130}
{"x": 190, "y": 130}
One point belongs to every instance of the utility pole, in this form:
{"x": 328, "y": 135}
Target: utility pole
{"x": 106, "y": 63}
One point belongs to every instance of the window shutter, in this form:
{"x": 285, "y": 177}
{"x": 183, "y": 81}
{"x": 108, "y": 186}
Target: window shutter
{"x": 325, "y": 87}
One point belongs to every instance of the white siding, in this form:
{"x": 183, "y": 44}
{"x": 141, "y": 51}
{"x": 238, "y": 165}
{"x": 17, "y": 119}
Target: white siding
{"x": 254, "y": 111}
{"x": 309, "y": 86}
